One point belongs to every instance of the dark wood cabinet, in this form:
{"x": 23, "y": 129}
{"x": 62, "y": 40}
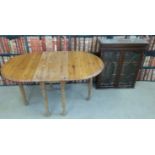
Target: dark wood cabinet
{"x": 122, "y": 61}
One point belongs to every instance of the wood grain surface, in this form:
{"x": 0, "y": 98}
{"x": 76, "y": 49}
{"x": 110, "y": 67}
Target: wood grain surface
{"x": 52, "y": 66}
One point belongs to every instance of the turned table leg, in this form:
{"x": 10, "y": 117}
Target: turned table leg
{"x": 63, "y": 100}
{"x": 44, "y": 93}
{"x": 90, "y": 81}
{"x": 21, "y": 87}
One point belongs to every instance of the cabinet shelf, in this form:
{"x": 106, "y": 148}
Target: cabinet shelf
{"x": 149, "y": 53}
{"x": 148, "y": 67}
{"x": 9, "y": 54}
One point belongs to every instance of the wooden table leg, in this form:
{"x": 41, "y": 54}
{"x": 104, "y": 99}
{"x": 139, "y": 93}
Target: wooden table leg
{"x": 63, "y": 99}
{"x": 44, "y": 93}
{"x": 21, "y": 87}
{"x": 90, "y": 88}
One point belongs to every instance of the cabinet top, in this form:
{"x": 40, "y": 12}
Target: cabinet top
{"x": 123, "y": 41}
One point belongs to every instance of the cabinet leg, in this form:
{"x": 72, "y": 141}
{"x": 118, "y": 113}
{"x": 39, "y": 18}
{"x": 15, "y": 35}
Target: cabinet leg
{"x": 63, "y": 99}
{"x": 21, "y": 87}
{"x": 44, "y": 93}
{"x": 90, "y": 81}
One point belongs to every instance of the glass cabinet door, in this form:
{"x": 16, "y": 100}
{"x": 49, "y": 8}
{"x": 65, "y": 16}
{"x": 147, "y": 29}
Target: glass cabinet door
{"x": 129, "y": 68}
{"x": 108, "y": 75}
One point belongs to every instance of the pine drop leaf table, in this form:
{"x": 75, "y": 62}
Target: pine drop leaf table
{"x": 60, "y": 66}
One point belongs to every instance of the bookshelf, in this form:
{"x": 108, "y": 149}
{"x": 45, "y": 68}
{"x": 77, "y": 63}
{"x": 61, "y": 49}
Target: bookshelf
{"x": 147, "y": 71}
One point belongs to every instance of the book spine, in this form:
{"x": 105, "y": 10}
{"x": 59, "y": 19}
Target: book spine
{"x": 2, "y": 45}
{"x": 72, "y": 48}
{"x": 65, "y": 48}
{"x": 11, "y": 46}
{"x": 1, "y": 50}
{"x": 26, "y": 44}
{"x": 29, "y": 44}
{"x": 89, "y": 44}
{"x": 62, "y": 43}
{"x": 23, "y": 44}
{"x": 48, "y": 43}
{"x": 58, "y": 43}
{"x": 81, "y": 43}
{"x": 149, "y": 75}
{"x": 20, "y": 46}
{"x": 54, "y": 44}
{"x": 69, "y": 43}
{"x": 142, "y": 74}
{"x": 97, "y": 45}
{"x": 40, "y": 45}
{"x": 94, "y": 44}
{"x": 153, "y": 75}
{"x": 43, "y": 43}
{"x": 7, "y": 45}
{"x": 17, "y": 46}
{"x": 86, "y": 44}
{"x": 77, "y": 43}
{"x": 153, "y": 43}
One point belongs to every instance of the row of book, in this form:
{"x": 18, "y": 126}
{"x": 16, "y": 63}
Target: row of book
{"x": 28, "y": 44}
{"x": 151, "y": 40}
{"x": 146, "y": 75}
{"x": 149, "y": 61}
{"x": 25, "y": 44}
{"x": 148, "y": 71}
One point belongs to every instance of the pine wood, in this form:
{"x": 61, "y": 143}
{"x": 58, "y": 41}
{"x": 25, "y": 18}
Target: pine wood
{"x": 44, "y": 93}
{"x": 21, "y": 88}
{"x": 52, "y": 67}
{"x": 63, "y": 99}
{"x": 90, "y": 81}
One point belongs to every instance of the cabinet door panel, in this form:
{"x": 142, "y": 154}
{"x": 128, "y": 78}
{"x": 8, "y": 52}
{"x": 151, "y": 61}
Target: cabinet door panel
{"x": 126, "y": 80}
{"x": 109, "y": 73}
{"x": 110, "y": 55}
{"x": 129, "y": 68}
{"x": 132, "y": 56}
{"x": 122, "y": 61}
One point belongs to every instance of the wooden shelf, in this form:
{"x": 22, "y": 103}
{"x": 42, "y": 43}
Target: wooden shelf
{"x": 9, "y": 54}
{"x": 149, "y": 53}
{"x": 148, "y": 67}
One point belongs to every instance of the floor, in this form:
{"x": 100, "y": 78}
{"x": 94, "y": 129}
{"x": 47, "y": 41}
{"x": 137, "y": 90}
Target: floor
{"x": 138, "y": 102}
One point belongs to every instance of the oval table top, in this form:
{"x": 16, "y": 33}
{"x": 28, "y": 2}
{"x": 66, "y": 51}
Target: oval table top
{"x": 52, "y": 66}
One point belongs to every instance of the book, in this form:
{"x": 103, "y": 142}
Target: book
{"x": 153, "y": 75}
{"x": 86, "y": 44}
{"x": 54, "y": 43}
{"x": 90, "y": 44}
{"x": 72, "y": 43}
{"x": 94, "y": 44}
{"x": 77, "y": 43}
{"x": 81, "y": 43}
{"x": 58, "y": 43}
{"x": 65, "y": 44}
